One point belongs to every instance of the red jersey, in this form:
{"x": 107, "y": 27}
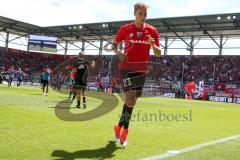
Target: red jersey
{"x": 137, "y": 47}
{"x": 73, "y": 73}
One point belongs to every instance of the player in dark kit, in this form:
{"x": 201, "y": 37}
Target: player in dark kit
{"x": 139, "y": 38}
{"x": 1, "y": 74}
{"x": 11, "y": 74}
{"x": 80, "y": 80}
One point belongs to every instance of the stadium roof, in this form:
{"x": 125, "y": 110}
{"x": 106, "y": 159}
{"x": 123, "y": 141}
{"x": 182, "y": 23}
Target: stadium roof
{"x": 218, "y": 24}
{"x": 210, "y": 26}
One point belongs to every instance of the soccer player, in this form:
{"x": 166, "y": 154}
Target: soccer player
{"x": 20, "y": 75}
{"x": 139, "y": 38}
{"x": 80, "y": 81}
{"x": 41, "y": 80}
{"x": 11, "y": 73}
{"x": 46, "y": 78}
{"x": 1, "y": 74}
{"x": 72, "y": 77}
{"x": 58, "y": 81}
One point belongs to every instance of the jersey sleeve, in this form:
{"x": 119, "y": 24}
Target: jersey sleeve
{"x": 156, "y": 38}
{"x": 120, "y": 35}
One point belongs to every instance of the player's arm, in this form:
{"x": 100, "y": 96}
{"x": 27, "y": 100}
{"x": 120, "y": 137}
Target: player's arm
{"x": 154, "y": 43}
{"x": 115, "y": 46}
{"x": 156, "y": 50}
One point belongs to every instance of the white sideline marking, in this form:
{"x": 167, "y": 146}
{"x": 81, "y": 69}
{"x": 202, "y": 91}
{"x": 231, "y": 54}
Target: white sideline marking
{"x": 192, "y": 148}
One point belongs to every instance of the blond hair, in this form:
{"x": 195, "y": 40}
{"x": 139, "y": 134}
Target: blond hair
{"x": 140, "y": 5}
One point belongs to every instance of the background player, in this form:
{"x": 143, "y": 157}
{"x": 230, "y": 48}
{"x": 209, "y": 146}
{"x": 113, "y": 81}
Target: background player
{"x": 58, "y": 81}
{"x": 139, "y": 37}
{"x": 1, "y": 74}
{"x": 46, "y": 78}
{"x": 80, "y": 81}
{"x": 11, "y": 73}
{"x": 20, "y": 76}
{"x": 72, "y": 77}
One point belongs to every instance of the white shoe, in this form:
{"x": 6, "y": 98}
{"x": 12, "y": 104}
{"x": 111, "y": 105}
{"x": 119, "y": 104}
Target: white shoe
{"x": 124, "y": 144}
{"x": 124, "y": 138}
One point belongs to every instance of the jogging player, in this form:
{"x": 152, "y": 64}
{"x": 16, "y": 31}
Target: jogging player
{"x": 139, "y": 38}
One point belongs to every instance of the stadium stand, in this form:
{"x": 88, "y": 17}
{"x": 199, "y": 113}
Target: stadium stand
{"x": 165, "y": 68}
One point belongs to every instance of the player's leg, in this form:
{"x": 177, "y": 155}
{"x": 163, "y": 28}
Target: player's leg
{"x": 41, "y": 83}
{"x": 59, "y": 86}
{"x": 74, "y": 95}
{"x": 132, "y": 85}
{"x": 131, "y": 98}
{"x": 10, "y": 81}
{"x": 54, "y": 86}
{"x": 20, "y": 81}
{"x": 47, "y": 87}
{"x": 113, "y": 89}
{"x": 44, "y": 86}
{"x": 1, "y": 78}
{"x": 17, "y": 83}
{"x": 71, "y": 92}
{"x": 78, "y": 92}
{"x": 84, "y": 97}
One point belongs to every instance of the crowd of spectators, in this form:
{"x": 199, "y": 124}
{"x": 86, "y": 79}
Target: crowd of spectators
{"x": 223, "y": 69}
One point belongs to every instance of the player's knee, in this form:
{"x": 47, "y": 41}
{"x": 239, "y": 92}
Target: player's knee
{"x": 131, "y": 102}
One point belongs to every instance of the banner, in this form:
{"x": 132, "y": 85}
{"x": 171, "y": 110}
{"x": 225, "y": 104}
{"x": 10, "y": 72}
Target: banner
{"x": 224, "y": 99}
{"x": 196, "y": 90}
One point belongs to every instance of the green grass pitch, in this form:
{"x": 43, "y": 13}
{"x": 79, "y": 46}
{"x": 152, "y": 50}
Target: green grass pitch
{"x": 30, "y": 130}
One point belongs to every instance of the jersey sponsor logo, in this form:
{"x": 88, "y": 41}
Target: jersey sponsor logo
{"x": 139, "y": 41}
{"x": 81, "y": 66}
